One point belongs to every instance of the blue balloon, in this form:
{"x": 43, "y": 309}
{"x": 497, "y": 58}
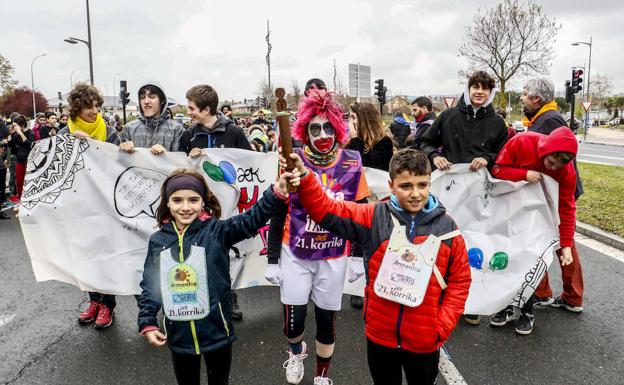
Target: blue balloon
{"x": 475, "y": 258}
{"x": 229, "y": 172}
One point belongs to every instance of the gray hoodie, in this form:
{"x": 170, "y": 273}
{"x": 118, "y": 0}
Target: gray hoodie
{"x": 146, "y": 132}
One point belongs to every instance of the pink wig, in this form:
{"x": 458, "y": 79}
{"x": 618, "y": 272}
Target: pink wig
{"x": 318, "y": 102}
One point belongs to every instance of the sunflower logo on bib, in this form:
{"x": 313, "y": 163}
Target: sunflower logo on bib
{"x": 183, "y": 284}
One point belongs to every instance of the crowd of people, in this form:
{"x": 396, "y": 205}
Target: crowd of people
{"x": 328, "y": 143}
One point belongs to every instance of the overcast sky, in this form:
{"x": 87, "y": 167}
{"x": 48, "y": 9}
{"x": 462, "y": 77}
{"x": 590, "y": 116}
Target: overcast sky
{"x": 412, "y": 44}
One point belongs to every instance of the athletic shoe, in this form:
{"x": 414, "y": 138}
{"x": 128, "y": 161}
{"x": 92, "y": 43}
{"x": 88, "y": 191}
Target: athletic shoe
{"x": 502, "y": 317}
{"x": 559, "y": 302}
{"x": 323, "y": 381}
{"x": 294, "y": 365}
{"x": 543, "y": 301}
{"x": 89, "y": 315}
{"x": 524, "y": 326}
{"x": 237, "y": 314}
{"x": 104, "y": 318}
{"x": 4, "y": 215}
{"x": 356, "y": 301}
{"x": 472, "y": 319}
{"x": 14, "y": 199}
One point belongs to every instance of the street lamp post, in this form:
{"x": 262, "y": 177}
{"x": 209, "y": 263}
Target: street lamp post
{"x": 32, "y": 81}
{"x": 74, "y": 40}
{"x": 576, "y": 43}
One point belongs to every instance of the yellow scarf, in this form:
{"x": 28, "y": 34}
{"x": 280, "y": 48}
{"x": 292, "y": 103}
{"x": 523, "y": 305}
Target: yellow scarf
{"x": 546, "y": 107}
{"x": 96, "y": 130}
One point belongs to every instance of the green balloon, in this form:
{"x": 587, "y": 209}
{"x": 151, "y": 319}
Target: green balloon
{"x": 499, "y": 261}
{"x": 214, "y": 172}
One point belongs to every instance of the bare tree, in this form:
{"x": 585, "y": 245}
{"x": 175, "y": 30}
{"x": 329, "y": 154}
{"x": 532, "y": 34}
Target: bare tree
{"x": 601, "y": 86}
{"x": 265, "y": 93}
{"x": 7, "y": 84}
{"x": 508, "y": 39}
{"x": 296, "y": 93}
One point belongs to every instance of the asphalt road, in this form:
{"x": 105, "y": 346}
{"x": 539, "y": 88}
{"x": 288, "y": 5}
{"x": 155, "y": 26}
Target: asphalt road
{"x": 41, "y": 343}
{"x": 601, "y": 154}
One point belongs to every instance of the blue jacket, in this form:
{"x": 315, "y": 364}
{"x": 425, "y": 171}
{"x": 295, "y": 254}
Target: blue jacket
{"x": 216, "y": 236}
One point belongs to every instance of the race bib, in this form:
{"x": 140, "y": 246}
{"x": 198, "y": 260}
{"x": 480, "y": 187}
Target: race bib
{"x": 184, "y": 286}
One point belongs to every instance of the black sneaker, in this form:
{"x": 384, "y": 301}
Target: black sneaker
{"x": 543, "y": 301}
{"x": 356, "y": 301}
{"x": 524, "y": 326}
{"x": 502, "y": 317}
{"x": 237, "y": 314}
{"x": 4, "y": 215}
{"x": 472, "y": 319}
{"x": 559, "y": 302}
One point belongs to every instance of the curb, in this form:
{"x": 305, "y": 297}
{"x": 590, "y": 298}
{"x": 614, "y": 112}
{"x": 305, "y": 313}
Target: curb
{"x": 600, "y": 235}
{"x": 605, "y": 144}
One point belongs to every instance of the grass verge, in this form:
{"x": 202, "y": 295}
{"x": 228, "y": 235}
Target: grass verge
{"x": 602, "y": 205}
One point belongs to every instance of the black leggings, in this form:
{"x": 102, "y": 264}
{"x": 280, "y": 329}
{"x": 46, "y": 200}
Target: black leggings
{"x": 187, "y": 366}
{"x": 385, "y": 365}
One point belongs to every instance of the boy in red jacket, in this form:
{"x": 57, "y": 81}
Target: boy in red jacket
{"x": 526, "y": 157}
{"x": 416, "y": 266}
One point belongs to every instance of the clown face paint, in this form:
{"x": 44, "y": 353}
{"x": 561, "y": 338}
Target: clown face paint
{"x": 321, "y": 134}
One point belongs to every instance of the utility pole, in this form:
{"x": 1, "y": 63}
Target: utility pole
{"x": 268, "y": 55}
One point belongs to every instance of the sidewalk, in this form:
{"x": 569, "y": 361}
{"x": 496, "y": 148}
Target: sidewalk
{"x": 599, "y": 135}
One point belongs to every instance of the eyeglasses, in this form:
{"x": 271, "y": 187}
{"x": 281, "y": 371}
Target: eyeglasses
{"x": 315, "y": 128}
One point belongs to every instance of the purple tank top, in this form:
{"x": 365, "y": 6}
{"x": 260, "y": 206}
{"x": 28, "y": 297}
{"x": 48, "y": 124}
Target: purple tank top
{"x": 307, "y": 239}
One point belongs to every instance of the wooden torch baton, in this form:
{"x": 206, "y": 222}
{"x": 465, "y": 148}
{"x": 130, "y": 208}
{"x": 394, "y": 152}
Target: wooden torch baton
{"x": 284, "y": 127}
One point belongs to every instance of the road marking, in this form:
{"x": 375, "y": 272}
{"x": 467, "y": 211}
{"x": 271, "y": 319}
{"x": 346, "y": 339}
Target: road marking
{"x": 448, "y": 370}
{"x": 603, "y": 156}
{"x": 592, "y": 162}
{"x": 5, "y": 319}
{"x": 600, "y": 247}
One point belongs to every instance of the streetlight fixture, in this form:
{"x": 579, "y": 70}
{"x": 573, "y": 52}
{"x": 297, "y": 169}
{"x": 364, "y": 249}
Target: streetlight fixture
{"x": 74, "y": 40}
{"x": 589, "y": 44}
{"x": 32, "y": 82}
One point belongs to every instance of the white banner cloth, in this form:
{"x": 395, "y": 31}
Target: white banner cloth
{"x": 88, "y": 211}
{"x": 88, "y": 208}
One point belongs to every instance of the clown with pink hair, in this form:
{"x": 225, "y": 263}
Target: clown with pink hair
{"x": 306, "y": 260}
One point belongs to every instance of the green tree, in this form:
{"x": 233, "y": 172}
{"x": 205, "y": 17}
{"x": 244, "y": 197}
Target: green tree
{"x": 508, "y": 39}
{"x": 563, "y": 105}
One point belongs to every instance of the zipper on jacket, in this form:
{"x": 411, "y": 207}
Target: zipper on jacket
{"x": 398, "y": 326}
{"x": 180, "y": 245}
{"x": 227, "y": 329}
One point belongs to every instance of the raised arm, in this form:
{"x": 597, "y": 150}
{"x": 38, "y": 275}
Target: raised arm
{"x": 505, "y": 163}
{"x": 246, "y": 225}
{"x": 347, "y": 219}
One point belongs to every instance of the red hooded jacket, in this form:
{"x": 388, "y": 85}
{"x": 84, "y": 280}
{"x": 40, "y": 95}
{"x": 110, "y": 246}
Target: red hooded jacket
{"x": 525, "y": 152}
{"x": 421, "y": 329}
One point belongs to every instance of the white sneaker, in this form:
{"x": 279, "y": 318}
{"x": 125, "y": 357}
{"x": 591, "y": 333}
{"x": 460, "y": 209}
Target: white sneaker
{"x": 323, "y": 381}
{"x": 294, "y": 366}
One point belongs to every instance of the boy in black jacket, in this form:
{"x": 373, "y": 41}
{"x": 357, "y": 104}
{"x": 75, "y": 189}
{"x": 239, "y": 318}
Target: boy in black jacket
{"x": 470, "y": 132}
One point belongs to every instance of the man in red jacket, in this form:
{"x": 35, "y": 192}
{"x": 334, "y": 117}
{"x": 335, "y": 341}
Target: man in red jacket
{"x": 416, "y": 263}
{"x": 526, "y": 157}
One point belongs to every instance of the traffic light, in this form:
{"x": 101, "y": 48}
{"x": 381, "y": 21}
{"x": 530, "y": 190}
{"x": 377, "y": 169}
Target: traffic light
{"x": 380, "y": 91}
{"x": 123, "y": 94}
{"x": 577, "y": 80}
{"x": 568, "y": 90}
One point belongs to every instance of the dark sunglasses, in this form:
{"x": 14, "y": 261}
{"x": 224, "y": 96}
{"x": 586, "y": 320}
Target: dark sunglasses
{"x": 315, "y": 128}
